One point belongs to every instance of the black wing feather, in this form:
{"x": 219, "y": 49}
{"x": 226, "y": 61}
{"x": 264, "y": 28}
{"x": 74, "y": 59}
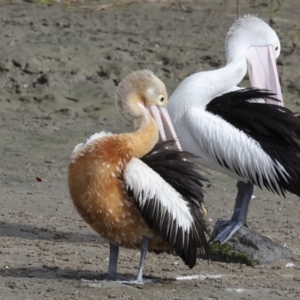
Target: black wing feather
{"x": 175, "y": 168}
{"x": 274, "y": 127}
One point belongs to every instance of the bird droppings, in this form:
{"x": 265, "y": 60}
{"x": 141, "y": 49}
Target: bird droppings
{"x": 289, "y": 265}
{"x": 201, "y": 277}
{"x": 237, "y": 290}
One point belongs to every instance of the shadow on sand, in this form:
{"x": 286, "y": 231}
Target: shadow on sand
{"x": 30, "y": 232}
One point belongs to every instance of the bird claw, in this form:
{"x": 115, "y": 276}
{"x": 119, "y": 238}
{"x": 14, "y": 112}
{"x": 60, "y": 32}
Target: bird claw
{"x": 203, "y": 210}
{"x": 224, "y": 230}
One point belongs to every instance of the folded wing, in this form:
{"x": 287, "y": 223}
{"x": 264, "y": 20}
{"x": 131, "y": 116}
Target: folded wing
{"x": 176, "y": 216}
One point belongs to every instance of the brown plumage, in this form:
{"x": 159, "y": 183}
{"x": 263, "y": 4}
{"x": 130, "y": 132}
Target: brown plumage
{"x": 97, "y": 172}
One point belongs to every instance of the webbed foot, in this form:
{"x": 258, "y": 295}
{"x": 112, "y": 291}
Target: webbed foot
{"x": 224, "y": 230}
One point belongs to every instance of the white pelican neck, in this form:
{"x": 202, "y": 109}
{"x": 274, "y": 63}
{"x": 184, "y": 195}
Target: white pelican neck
{"x": 200, "y": 88}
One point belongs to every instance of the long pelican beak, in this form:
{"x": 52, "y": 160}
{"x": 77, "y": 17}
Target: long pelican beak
{"x": 262, "y": 71}
{"x": 161, "y": 117}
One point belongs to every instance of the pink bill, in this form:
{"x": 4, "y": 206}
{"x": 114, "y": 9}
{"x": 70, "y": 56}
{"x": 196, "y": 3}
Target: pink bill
{"x": 263, "y": 71}
{"x": 161, "y": 116}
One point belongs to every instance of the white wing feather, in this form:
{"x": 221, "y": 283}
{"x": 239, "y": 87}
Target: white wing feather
{"x": 147, "y": 185}
{"x": 214, "y": 140}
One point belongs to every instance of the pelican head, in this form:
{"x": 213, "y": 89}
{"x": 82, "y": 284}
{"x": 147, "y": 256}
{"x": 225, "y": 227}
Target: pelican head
{"x": 138, "y": 91}
{"x": 141, "y": 95}
{"x": 251, "y": 37}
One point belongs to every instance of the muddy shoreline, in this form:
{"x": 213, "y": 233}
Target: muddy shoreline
{"x": 59, "y": 66}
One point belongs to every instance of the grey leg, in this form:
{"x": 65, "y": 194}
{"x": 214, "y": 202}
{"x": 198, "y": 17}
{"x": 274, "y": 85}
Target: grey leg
{"x": 144, "y": 250}
{"x": 113, "y": 260}
{"x": 112, "y": 266}
{"x": 224, "y": 229}
{"x": 244, "y": 195}
{"x": 139, "y": 278}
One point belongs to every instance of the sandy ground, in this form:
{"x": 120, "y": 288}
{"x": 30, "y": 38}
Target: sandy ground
{"x": 59, "y": 67}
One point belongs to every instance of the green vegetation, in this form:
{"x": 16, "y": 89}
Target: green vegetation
{"x": 228, "y": 254}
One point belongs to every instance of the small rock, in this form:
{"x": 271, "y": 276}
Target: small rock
{"x": 42, "y": 79}
{"x": 250, "y": 248}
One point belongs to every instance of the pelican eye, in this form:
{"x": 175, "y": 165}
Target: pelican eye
{"x": 276, "y": 48}
{"x": 161, "y": 99}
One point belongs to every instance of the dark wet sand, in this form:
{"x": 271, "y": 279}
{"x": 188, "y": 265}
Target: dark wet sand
{"x": 59, "y": 67}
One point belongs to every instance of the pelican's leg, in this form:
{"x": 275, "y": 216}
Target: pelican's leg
{"x": 224, "y": 229}
{"x": 113, "y": 260}
{"x": 144, "y": 249}
{"x": 112, "y": 265}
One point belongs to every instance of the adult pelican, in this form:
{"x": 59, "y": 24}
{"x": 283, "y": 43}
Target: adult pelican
{"x": 232, "y": 131}
{"x": 132, "y": 190}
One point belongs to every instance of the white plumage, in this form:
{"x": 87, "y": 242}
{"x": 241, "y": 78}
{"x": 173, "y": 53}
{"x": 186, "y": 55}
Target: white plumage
{"x": 250, "y": 45}
{"x": 155, "y": 189}
{"x": 219, "y": 141}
